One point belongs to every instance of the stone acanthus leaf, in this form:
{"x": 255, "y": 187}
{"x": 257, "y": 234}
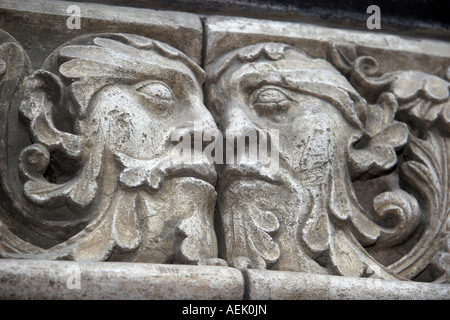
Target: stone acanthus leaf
{"x": 426, "y": 172}
{"x": 252, "y": 227}
{"x": 117, "y": 228}
{"x": 385, "y": 136}
{"x": 37, "y": 109}
{"x": 400, "y": 207}
{"x": 77, "y": 174}
{"x": 195, "y": 244}
{"x": 420, "y": 100}
{"x": 424, "y": 97}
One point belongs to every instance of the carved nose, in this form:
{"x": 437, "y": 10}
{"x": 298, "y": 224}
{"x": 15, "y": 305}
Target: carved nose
{"x": 236, "y": 123}
{"x": 194, "y": 125}
{"x": 239, "y": 133}
{"x": 201, "y": 118}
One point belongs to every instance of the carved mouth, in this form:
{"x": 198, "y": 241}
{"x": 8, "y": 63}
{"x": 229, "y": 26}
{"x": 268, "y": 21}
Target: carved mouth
{"x": 232, "y": 173}
{"x": 153, "y": 172}
{"x": 202, "y": 171}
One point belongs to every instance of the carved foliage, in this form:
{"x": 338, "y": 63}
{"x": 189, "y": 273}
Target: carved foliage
{"x": 393, "y": 115}
{"x": 422, "y": 101}
{"x": 92, "y": 160}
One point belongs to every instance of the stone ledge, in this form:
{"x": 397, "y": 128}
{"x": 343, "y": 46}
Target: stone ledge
{"x": 39, "y": 279}
{"x": 283, "y": 285}
{"x": 41, "y": 26}
{"x": 226, "y": 33}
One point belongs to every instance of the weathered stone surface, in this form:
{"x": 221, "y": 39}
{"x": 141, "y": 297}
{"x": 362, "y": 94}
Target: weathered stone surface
{"x": 331, "y": 151}
{"x": 101, "y": 179}
{"x": 228, "y": 33}
{"x": 31, "y": 279}
{"x": 41, "y": 26}
{"x": 284, "y": 285}
{"x": 355, "y": 144}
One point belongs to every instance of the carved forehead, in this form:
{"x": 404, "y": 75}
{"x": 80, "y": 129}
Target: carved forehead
{"x": 284, "y": 65}
{"x": 277, "y": 53}
{"x": 125, "y": 59}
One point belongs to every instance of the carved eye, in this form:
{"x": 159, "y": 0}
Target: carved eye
{"x": 160, "y": 96}
{"x": 270, "y": 100}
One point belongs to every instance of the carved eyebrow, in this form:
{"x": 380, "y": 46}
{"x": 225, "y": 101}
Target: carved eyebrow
{"x": 272, "y": 51}
{"x": 124, "y": 60}
{"x": 251, "y": 78}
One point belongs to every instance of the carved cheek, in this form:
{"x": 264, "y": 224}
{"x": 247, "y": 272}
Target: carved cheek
{"x": 310, "y": 144}
{"x": 111, "y": 117}
{"x": 236, "y": 119}
{"x": 126, "y": 125}
{"x": 147, "y": 135}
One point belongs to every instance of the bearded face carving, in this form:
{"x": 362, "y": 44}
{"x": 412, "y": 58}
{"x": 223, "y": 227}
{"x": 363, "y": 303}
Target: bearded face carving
{"x": 113, "y": 172}
{"x": 305, "y": 215}
{"x": 355, "y": 182}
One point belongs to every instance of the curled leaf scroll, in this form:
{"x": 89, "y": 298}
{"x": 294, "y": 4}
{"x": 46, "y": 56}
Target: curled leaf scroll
{"x": 341, "y": 124}
{"x": 422, "y": 102}
{"x": 100, "y": 165}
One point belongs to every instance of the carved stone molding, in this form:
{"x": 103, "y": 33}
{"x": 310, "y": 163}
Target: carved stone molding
{"x": 359, "y": 124}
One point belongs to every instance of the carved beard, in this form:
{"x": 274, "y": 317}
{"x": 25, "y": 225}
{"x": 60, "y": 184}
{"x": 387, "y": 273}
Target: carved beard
{"x": 140, "y": 203}
{"x": 261, "y": 222}
{"x": 173, "y": 229}
{"x": 156, "y": 210}
{"x": 291, "y": 220}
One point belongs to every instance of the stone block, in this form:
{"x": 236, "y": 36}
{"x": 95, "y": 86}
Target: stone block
{"x": 356, "y": 123}
{"x": 284, "y": 285}
{"x": 41, "y": 26}
{"x": 41, "y": 279}
{"x": 224, "y": 34}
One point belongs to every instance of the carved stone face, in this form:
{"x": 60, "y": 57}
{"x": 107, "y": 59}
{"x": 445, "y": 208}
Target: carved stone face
{"x": 136, "y": 124}
{"x": 312, "y": 133}
{"x": 282, "y": 218}
{"x": 306, "y": 100}
{"x": 139, "y": 119}
{"x": 133, "y": 197}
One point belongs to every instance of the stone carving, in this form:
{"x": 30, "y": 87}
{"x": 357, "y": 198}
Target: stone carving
{"x": 100, "y": 180}
{"x": 362, "y": 183}
{"x": 89, "y": 170}
{"x": 422, "y": 101}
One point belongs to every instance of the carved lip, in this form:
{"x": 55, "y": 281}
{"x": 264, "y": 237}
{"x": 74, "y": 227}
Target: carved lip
{"x": 232, "y": 173}
{"x": 202, "y": 171}
{"x": 172, "y": 167}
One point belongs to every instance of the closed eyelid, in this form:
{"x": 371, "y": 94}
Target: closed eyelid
{"x": 270, "y": 95}
{"x": 156, "y": 90}
{"x": 269, "y": 100}
{"x": 160, "y": 97}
